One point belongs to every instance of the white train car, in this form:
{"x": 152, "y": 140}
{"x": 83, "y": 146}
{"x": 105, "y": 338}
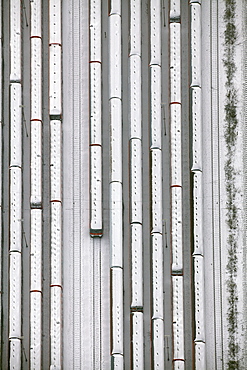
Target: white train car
{"x": 155, "y": 32}
{"x": 196, "y": 128}
{"x": 15, "y": 41}
{"x": 36, "y": 78}
{"x": 198, "y": 213}
{"x": 55, "y": 159}
{"x": 136, "y": 266}
{"x": 179, "y": 365}
{"x": 117, "y": 310}
{"x": 137, "y": 341}
{"x": 95, "y": 104}
{"x": 56, "y": 327}
{"x": 135, "y": 97}
{"x": 135, "y": 180}
{"x": 175, "y": 63}
{"x": 135, "y": 27}
{"x": 95, "y": 31}
{"x": 15, "y": 348}
{"x": 115, "y": 56}
{"x": 157, "y": 277}
{"x": 56, "y": 243}
{"x": 15, "y": 293}
{"x": 36, "y": 250}
{"x": 195, "y": 44}
{"x": 156, "y": 119}
{"x": 115, "y": 7}
{"x": 175, "y": 12}
{"x": 36, "y": 18}
{"x": 55, "y": 22}
{"x": 96, "y": 191}
{"x": 15, "y": 124}
{"x": 116, "y": 232}
{"x": 35, "y": 329}
{"x": 158, "y": 344}
{"x": 200, "y": 356}
{"x": 116, "y": 140}
{"x": 176, "y": 230}
{"x": 176, "y": 154}
{"x": 195, "y": 2}
{"x": 156, "y": 190}
{"x": 55, "y": 80}
{"x": 117, "y": 362}
{"x": 178, "y": 318}
{"x": 36, "y": 164}
{"x": 199, "y": 298}
{"x": 15, "y": 209}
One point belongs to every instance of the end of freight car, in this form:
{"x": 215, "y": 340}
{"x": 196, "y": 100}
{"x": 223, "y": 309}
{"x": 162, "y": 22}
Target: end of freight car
{"x": 96, "y": 233}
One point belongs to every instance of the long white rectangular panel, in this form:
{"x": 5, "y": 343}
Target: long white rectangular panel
{"x": 195, "y": 44}
{"x": 35, "y": 330}
{"x": 136, "y": 266}
{"x": 117, "y": 310}
{"x": 15, "y": 124}
{"x": 157, "y": 277}
{"x": 36, "y": 250}
{"x": 115, "y": 7}
{"x": 116, "y": 140}
{"x": 116, "y": 232}
{"x": 136, "y": 180}
{"x": 95, "y": 30}
{"x": 175, "y": 63}
{"x": 115, "y": 68}
{"x": 36, "y": 164}
{"x": 175, "y": 12}
{"x": 55, "y": 92}
{"x": 36, "y": 78}
{"x": 15, "y": 295}
{"x": 176, "y": 230}
{"x": 15, "y": 209}
{"x": 36, "y": 18}
{"x": 178, "y": 317}
{"x": 135, "y": 27}
{"x": 15, "y": 354}
{"x": 56, "y": 243}
{"x": 95, "y": 104}
{"x": 135, "y": 97}
{"x": 15, "y": 40}
{"x": 199, "y": 298}
{"x": 156, "y": 190}
{"x": 117, "y": 362}
{"x": 56, "y": 327}
{"x": 96, "y": 188}
{"x": 176, "y": 144}
{"x": 55, "y": 21}
{"x": 200, "y": 356}
{"x": 196, "y": 128}
{"x": 156, "y": 119}
{"x": 158, "y": 344}
{"x": 137, "y": 341}
{"x": 55, "y": 159}
{"x": 155, "y": 32}
{"x": 198, "y": 213}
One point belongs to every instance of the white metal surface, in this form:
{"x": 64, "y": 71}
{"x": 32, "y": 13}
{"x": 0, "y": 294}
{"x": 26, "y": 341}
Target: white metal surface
{"x": 175, "y": 12}
{"x": 158, "y": 344}
{"x": 15, "y": 124}
{"x": 96, "y": 188}
{"x": 36, "y": 18}
{"x": 175, "y": 63}
{"x": 36, "y": 78}
{"x": 196, "y": 128}
{"x": 199, "y": 298}
{"x": 178, "y": 317}
{"x": 156, "y": 120}
{"x": 95, "y": 30}
{"x": 195, "y": 1}
{"x": 36, "y": 250}
{"x": 198, "y": 213}
{"x": 15, "y": 295}
{"x": 55, "y": 21}
{"x": 36, "y": 164}
{"x": 157, "y": 277}
{"x": 135, "y": 27}
{"x": 15, "y": 40}
{"x": 117, "y": 362}
{"x": 117, "y": 310}
{"x": 55, "y": 92}
{"x": 116, "y": 140}
{"x": 156, "y": 190}
{"x": 135, "y": 180}
{"x": 179, "y": 365}
{"x": 56, "y": 327}
{"x": 176, "y": 144}
{"x": 115, "y": 69}
{"x": 155, "y": 32}
{"x": 195, "y": 44}
{"x": 176, "y": 230}
{"x": 15, "y": 357}
{"x": 136, "y": 266}
{"x": 56, "y": 243}
{"x": 55, "y": 159}
{"x": 135, "y": 97}
{"x": 35, "y": 330}
{"x": 137, "y": 341}
{"x": 200, "y": 356}
{"x": 95, "y": 104}
{"x": 115, "y": 7}
{"x": 15, "y": 209}
{"x": 116, "y": 232}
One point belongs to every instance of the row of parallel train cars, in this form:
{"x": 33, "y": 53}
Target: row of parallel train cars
{"x": 16, "y": 181}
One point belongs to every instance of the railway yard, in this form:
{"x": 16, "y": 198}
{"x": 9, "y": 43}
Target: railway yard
{"x": 123, "y": 184}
